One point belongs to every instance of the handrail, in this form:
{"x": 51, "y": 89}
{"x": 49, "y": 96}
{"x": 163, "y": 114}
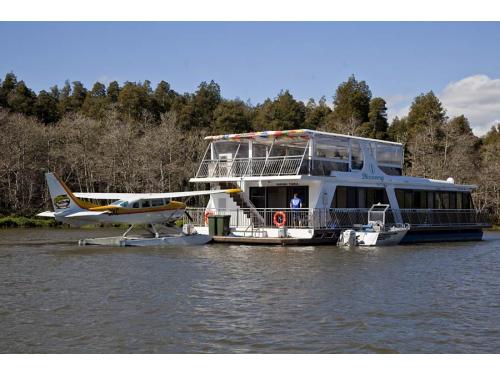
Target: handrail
{"x": 258, "y": 166}
{"x": 338, "y": 218}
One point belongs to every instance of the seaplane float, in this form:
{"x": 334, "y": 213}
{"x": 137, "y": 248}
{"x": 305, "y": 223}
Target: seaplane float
{"x": 157, "y": 210}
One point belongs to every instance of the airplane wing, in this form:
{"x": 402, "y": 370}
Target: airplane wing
{"x": 87, "y": 214}
{"x": 47, "y": 214}
{"x": 131, "y": 196}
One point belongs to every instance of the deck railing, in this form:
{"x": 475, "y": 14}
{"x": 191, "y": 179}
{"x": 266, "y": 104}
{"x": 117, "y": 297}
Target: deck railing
{"x": 270, "y": 166}
{"x": 346, "y": 217}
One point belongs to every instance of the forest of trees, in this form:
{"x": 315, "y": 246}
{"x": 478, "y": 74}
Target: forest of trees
{"x": 136, "y": 138}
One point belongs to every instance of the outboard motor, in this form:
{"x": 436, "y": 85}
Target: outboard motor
{"x": 348, "y": 238}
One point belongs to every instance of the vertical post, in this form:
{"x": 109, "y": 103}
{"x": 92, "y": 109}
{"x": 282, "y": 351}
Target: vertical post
{"x": 268, "y": 152}
{"x": 311, "y": 143}
{"x": 350, "y": 156}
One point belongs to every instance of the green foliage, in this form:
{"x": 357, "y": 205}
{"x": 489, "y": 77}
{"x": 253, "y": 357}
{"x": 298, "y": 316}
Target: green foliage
{"x": 232, "y": 116}
{"x": 351, "y": 106}
{"x": 46, "y": 108}
{"x": 199, "y": 109}
{"x": 376, "y": 127}
{"x": 25, "y": 222}
{"x": 316, "y": 114}
{"x": 113, "y": 91}
{"x": 425, "y": 111}
{"x": 21, "y": 99}
{"x": 493, "y": 136}
{"x": 96, "y": 102}
{"x": 134, "y": 100}
{"x": 8, "y": 85}
{"x": 163, "y": 98}
{"x": 282, "y": 113}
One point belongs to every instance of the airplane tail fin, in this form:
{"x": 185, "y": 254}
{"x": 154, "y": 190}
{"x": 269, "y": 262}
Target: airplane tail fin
{"x": 62, "y": 197}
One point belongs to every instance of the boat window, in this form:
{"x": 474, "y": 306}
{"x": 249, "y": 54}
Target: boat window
{"x": 389, "y": 154}
{"x": 453, "y": 200}
{"x": 333, "y": 149}
{"x": 225, "y": 149}
{"x": 157, "y": 202}
{"x": 259, "y": 150}
{"x": 430, "y": 199}
{"x": 392, "y": 171}
{"x": 467, "y": 201}
{"x": 146, "y": 203}
{"x": 358, "y": 197}
{"x": 459, "y": 200}
{"x": 323, "y": 167}
{"x": 356, "y": 155}
{"x": 423, "y": 199}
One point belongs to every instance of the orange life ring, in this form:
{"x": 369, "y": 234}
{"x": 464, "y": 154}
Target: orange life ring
{"x": 207, "y": 214}
{"x": 279, "y": 214}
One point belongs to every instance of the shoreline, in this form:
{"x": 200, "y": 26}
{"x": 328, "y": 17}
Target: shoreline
{"x": 18, "y": 221}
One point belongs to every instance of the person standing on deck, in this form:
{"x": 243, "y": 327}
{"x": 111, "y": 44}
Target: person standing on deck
{"x": 295, "y": 205}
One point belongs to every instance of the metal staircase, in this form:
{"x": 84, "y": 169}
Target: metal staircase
{"x": 250, "y": 210}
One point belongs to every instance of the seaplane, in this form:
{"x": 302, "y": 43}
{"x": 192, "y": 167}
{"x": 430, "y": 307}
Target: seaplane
{"x": 126, "y": 208}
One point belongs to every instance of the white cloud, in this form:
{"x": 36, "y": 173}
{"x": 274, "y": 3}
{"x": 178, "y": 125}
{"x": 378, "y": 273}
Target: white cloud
{"x": 476, "y": 97}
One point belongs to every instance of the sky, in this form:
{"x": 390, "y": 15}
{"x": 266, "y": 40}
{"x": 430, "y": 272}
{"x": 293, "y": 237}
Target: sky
{"x": 459, "y": 61}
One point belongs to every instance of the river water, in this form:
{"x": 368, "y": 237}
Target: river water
{"x": 56, "y": 297}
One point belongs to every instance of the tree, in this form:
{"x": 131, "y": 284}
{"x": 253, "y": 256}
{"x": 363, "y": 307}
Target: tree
{"x": 21, "y": 99}
{"x": 134, "y": 100}
{"x": 46, "y": 108}
{"x": 488, "y": 194}
{"x": 231, "y": 116}
{"x": 460, "y": 158}
{"x": 398, "y": 130}
{"x": 65, "y": 98}
{"x": 425, "y": 110}
{"x": 351, "y": 106}
{"x": 113, "y": 91}
{"x": 425, "y": 123}
{"x": 199, "y": 109}
{"x": 8, "y": 85}
{"x": 376, "y": 127}
{"x": 316, "y": 114}
{"x": 163, "y": 97}
{"x": 78, "y": 95}
{"x": 96, "y": 102}
{"x": 282, "y": 113}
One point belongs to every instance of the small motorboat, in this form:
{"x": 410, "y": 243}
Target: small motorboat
{"x": 376, "y": 232}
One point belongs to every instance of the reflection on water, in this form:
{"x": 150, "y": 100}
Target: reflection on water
{"x": 58, "y": 297}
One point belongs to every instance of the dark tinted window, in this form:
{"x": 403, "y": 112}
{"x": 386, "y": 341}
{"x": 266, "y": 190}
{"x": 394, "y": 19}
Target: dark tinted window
{"x": 358, "y": 197}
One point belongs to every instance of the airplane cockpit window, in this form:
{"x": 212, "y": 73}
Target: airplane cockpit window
{"x": 120, "y": 203}
{"x": 157, "y": 202}
{"x": 146, "y": 203}
{"x": 136, "y": 205}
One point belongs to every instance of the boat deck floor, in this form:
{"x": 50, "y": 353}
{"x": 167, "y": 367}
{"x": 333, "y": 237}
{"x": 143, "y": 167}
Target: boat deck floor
{"x": 274, "y": 240}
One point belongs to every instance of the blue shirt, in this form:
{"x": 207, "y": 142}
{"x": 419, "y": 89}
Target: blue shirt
{"x": 295, "y": 202}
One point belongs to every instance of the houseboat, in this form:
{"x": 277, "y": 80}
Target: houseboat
{"x": 333, "y": 180}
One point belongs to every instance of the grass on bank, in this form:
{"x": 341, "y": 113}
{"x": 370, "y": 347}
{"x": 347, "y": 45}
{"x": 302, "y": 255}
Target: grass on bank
{"x": 15, "y": 221}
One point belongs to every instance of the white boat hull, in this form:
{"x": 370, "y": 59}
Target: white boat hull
{"x": 175, "y": 240}
{"x": 382, "y": 238}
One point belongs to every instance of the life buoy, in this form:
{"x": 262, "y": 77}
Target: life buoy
{"x": 279, "y": 219}
{"x": 207, "y": 214}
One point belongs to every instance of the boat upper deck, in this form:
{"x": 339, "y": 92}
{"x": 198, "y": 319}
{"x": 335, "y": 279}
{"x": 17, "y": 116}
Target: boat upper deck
{"x": 296, "y": 152}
